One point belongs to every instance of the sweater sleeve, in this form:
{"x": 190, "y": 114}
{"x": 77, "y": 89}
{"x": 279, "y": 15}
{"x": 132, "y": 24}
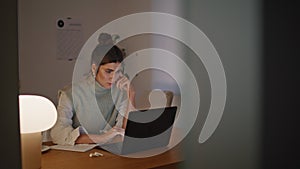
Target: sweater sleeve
{"x": 63, "y": 132}
{"x": 122, "y": 109}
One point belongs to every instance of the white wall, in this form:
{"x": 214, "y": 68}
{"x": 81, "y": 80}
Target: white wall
{"x": 40, "y": 72}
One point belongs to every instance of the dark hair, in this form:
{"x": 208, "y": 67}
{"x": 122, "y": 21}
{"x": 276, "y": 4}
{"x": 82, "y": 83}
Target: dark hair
{"x": 106, "y": 52}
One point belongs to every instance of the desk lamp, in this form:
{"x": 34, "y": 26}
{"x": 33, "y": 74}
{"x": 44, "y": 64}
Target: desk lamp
{"x": 37, "y": 114}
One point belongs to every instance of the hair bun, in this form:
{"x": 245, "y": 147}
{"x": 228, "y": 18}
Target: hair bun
{"x": 105, "y": 39}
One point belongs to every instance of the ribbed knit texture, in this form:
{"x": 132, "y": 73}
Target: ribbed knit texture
{"x": 94, "y": 107}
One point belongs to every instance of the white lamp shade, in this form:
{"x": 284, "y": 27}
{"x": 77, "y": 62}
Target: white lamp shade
{"x": 37, "y": 113}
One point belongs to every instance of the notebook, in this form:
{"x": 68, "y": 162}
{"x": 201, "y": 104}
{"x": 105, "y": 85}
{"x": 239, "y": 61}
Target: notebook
{"x": 146, "y": 129}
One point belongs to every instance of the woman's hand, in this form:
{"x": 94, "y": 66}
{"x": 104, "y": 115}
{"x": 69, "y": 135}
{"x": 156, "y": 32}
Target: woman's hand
{"x": 123, "y": 83}
{"x": 116, "y": 131}
{"x": 102, "y": 138}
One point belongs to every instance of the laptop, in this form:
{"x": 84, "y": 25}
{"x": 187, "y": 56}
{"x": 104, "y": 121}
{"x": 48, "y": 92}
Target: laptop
{"x": 145, "y": 130}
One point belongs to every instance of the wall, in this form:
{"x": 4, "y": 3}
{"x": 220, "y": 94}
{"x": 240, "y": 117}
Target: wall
{"x": 40, "y": 72}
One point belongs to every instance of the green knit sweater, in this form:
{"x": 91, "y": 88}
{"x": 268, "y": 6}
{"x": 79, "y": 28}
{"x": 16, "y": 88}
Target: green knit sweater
{"x": 87, "y": 107}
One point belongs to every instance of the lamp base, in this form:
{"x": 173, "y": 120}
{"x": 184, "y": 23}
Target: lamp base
{"x": 31, "y": 145}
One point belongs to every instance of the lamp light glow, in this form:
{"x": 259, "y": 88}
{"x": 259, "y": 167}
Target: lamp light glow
{"x": 37, "y": 113}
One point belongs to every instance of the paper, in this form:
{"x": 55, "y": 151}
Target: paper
{"x": 76, "y": 147}
{"x": 69, "y": 38}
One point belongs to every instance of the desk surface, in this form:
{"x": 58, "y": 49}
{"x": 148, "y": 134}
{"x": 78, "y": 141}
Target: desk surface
{"x": 57, "y": 159}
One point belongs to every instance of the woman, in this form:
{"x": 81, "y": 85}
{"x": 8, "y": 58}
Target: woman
{"x": 94, "y": 110}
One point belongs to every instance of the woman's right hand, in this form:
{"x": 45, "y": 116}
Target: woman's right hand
{"x": 115, "y": 131}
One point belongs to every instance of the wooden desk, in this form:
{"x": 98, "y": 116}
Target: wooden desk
{"x": 57, "y": 159}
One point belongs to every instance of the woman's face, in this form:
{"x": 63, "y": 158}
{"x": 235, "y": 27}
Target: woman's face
{"x": 106, "y": 74}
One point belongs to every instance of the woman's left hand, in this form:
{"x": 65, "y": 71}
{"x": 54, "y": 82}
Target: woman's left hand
{"x": 123, "y": 83}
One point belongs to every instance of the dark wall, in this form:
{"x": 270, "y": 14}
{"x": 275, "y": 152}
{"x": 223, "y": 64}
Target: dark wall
{"x": 10, "y": 147}
{"x": 281, "y": 83}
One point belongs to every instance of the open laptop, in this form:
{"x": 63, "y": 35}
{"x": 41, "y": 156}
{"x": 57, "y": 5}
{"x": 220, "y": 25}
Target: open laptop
{"x": 146, "y": 129}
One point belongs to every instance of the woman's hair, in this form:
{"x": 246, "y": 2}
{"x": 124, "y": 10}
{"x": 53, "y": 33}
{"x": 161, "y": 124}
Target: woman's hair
{"x": 106, "y": 52}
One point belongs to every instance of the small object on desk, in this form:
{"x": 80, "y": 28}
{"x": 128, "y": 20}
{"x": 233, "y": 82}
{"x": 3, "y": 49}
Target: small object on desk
{"x": 96, "y": 154}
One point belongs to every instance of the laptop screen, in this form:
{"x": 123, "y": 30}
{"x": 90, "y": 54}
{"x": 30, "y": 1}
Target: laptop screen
{"x": 149, "y": 123}
{"x": 145, "y": 130}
